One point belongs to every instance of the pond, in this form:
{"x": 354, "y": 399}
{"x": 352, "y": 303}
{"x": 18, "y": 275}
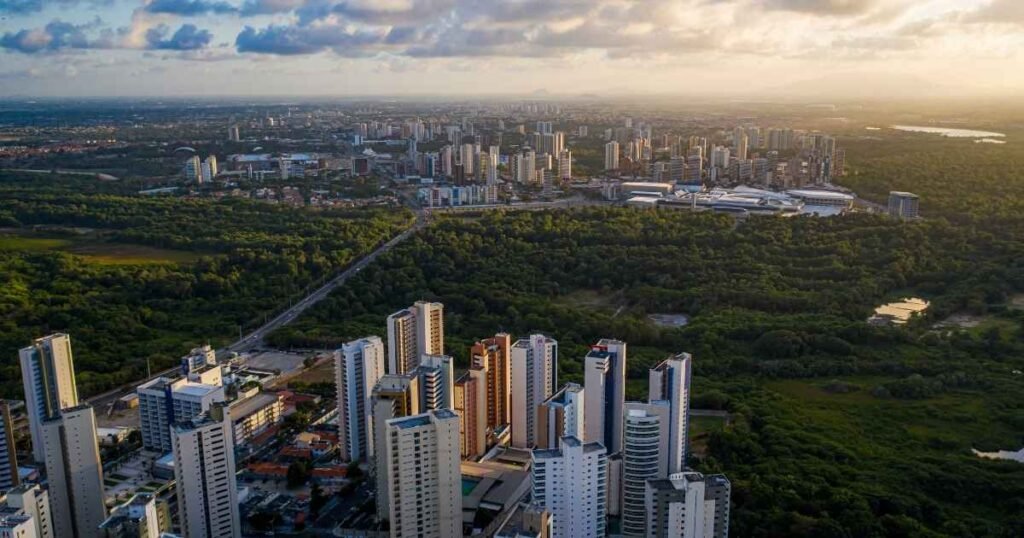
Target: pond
{"x": 948, "y": 131}
{"x": 1017, "y": 456}
{"x": 669, "y": 320}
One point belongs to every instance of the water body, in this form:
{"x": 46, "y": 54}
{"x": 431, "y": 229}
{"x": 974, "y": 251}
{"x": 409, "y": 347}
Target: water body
{"x": 989, "y": 141}
{"x": 1001, "y": 455}
{"x": 948, "y": 132}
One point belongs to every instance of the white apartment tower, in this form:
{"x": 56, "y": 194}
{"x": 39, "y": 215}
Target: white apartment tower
{"x": 670, "y": 381}
{"x": 604, "y": 377}
{"x": 74, "y": 473}
{"x": 412, "y": 333}
{"x": 48, "y": 374}
{"x": 534, "y": 369}
{"x": 643, "y": 458}
{"x": 571, "y": 482}
{"x": 422, "y": 455}
{"x": 565, "y": 165}
{"x": 8, "y": 452}
{"x": 358, "y": 365}
{"x": 17, "y": 527}
{"x": 29, "y": 500}
{"x": 688, "y": 505}
{"x": 437, "y": 382}
{"x": 611, "y": 155}
{"x": 164, "y": 402}
{"x": 560, "y": 416}
{"x": 204, "y": 470}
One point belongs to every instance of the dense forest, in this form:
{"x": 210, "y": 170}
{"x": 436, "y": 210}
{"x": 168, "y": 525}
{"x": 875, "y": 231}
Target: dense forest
{"x": 229, "y": 264}
{"x": 840, "y": 428}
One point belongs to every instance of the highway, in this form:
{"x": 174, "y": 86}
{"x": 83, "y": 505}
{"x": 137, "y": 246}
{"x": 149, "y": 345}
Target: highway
{"x": 255, "y": 339}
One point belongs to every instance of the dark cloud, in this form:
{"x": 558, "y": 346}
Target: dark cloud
{"x": 270, "y": 7}
{"x": 187, "y": 37}
{"x": 999, "y": 11}
{"x": 823, "y": 7}
{"x": 21, "y": 7}
{"x": 190, "y": 8}
{"x": 54, "y": 36}
{"x": 293, "y": 40}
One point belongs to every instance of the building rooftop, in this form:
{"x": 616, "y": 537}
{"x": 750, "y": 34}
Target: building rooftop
{"x": 248, "y": 406}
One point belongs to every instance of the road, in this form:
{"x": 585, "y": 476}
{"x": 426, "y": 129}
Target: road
{"x": 255, "y": 338}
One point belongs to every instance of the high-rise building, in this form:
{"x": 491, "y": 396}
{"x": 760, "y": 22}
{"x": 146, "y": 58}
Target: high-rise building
{"x": 204, "y": 473}
{"x": 8, "y": 452}
{"x": 557, "y": 143}
{"x": 437, "y": 381}
{"x": 358, "y": 365}
{"x": 234, "y": 135}
{"x": 645, "y": 446}
{"x": 740, "y": 144}
{"x": 493, "y": 355}
{"x": 197, "y": 359}
{"x": 571, "y": 482}
{"x": 780, "y": 139}
{"x": 525, "y": 166}
{"x": 604, "y": 378}
{"x": 560, "y": 415}
{"x": 466, "y": 158}
{"x": 471, "y": 406}
{"x": 903, "y": 205}
{"x": 394, "y": 396}
{"x": 74, "y": 472}
{"x": 412, "y": 333}
{"x": 193, "y": 169}
{"x": 493, "y": 156}
{"x": 545, "y": 127}
{"x": 29, "y": 500}
{"x": 688, "y": 505}
{"x": 534, "y": 372}
{"x": 754, "y": 137}
{"x": 164, "y": 402}
{"x": 48, "y": 374}
{"x": 137, "y": 518}
{"x": 421, "y": 459}
{"x": 209, "y": 169}
{"x": 611, "y": 155}
{"x": 670, "y": 381}
{"x": 20, "y": 526}
{"x": 565, "y": 165}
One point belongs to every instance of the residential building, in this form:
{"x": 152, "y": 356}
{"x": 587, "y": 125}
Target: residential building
{"x": 534, "y": 374}
{"x": 565, "y": 165}
{"x": 471, "y": 406}
{"x": 670, "y": 381}
{"x": 528, "y": 521}
{"x": 412, "y": 333}
{"x": 571, "y": 482}
{"x": 48, "y": 374}
{"x": 358, "y": 365}
{"x": 466, "y": 154}
{"x": 611, "y": 156}
{"x": 74, "y": 473}
{"x": 137, "y": 518}
{"x": 204, "y": 473}
{"x": 903, "y": 205}
{"x": 197, "y": 359}
{"x": 17, "y": 527}
{"x": 254, "y": 415}
{"x": 688, "y": 505}
{"x": 29, "y": 500}
{"x": 560, "y": 416}
{"x": 437, "y": 381}
{"x": 646, "y": 444}
{"x": 493, "y": 355}
{"x": 604, "y": 377}
{"x": 164, "y": 402}
{"x": 421, "y": 456}
{"x": 525, "y": 166}
{"x": 8, "y": 452}
{"x": 740, "y": 144}
{"x": 394, "y": 396}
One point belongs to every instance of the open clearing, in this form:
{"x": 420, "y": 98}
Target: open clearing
{"x": 94, "y": 250}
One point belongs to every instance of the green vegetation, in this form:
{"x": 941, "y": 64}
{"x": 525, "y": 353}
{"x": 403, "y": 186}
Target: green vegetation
{"x": 838, "y": 428}
{"x": 135, "y": 279}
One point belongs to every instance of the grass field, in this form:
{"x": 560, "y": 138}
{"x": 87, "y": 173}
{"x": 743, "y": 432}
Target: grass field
{"x": 94, "y": 250}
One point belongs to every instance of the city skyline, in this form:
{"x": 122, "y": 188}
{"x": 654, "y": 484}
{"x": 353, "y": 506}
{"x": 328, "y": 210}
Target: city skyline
{"x": 566, "y": 47}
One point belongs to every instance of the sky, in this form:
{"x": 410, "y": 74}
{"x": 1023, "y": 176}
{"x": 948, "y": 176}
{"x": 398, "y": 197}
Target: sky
{"x": 821, "y": 49}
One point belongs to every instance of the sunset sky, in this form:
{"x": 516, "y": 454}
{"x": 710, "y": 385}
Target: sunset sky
{"x": 489, "y": 47}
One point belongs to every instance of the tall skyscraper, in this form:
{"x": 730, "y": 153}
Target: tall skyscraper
{"x": 565, "y": 165}
{"x": 526, "y": 166}
{"x": 437, "y": 382}
{"x": 493, "y": 355}
{"x": 471, "y": 406}
{"x": 33, "y": 501}
{"x": 8, "y": 452}
{"x": 545, "y": 127}
{"x": 466, "y": 158}
{"x": 412, "y": 333}
{"x": 740, "y": 143}
{"x": 644, "y": 453}
{"x": 670, "y": 381}
{"x": 48, "y": 374}
{"x": 394, "y": 396}
{"x": 17, "y": 527}
{"x": 164, "y": 402}
{"x": 74, "y": 472}
{"x": 688, "y": 505}
{"x": 604, "y": 377}
{"x": 421, "y": 458}
{"x": 493, "y": 157}
{"x": 358, "y": 365}
{"x": 560, "y": 415}
{"x": 204, "y": 472}
{"x": 534, "y": 369}
{"x": 572, "y": 483}
{"x": 903, "y": 205}
{"x": 611, "y": 155}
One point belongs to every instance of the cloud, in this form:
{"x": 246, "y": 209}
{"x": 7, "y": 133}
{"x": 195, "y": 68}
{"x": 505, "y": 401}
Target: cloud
{"x": 293, "y": 40}
{"x": 999, "y": 11}
{"x": 187, "y": 37}
{"x": 270, "y": 7}
{"x": 836, "y": 8}
{"x": 54, "y": 36}
{"x": 189, "y": 8}
{"x": 22, "y": 7}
